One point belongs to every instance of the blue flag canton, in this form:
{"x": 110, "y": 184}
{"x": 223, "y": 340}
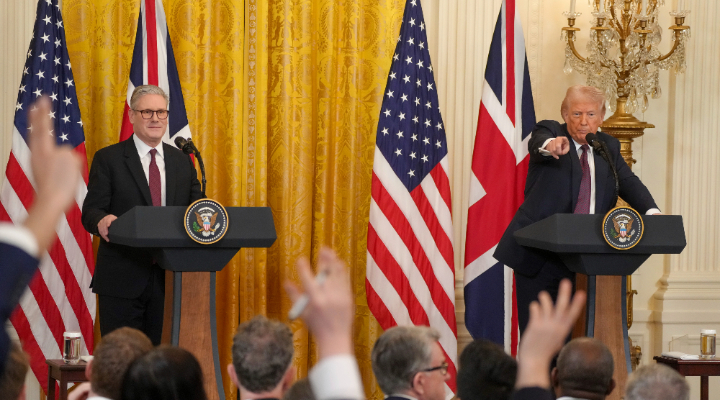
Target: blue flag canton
{"x": 411, "y": 134}
{"x": 48, "y": 72}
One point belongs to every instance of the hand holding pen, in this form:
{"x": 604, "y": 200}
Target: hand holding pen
{"x": 329, "y": 312}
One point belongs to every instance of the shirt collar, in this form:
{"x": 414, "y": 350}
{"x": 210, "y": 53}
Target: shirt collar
{"x": 578, "y": 145}
{"x": 143, "y": 147}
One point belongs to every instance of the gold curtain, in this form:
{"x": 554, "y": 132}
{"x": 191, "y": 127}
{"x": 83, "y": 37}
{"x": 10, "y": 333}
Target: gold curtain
{"x": 283, "y": 98}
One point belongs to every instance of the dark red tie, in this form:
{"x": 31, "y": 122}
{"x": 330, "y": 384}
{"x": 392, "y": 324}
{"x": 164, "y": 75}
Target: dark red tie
{"x": 583, "y": 203}
{"x": 155, "y": 188}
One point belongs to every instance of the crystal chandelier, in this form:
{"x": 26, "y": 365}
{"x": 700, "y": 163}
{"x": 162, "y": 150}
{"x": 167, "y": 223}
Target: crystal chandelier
{"x": 623, "y": 58}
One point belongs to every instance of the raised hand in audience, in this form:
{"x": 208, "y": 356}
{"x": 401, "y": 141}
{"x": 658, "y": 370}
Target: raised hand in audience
{"x": 545, "y": 334}
{"x": 330, "y": 311}
{"x": 56, "y": 171}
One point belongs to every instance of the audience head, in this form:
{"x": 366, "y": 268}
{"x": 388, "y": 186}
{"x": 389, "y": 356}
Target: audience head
{"x": 408, "y": 360}
{"x": 300, "y": 390}
{"x": 486, "y": 372}
{"x": 656, "y": 382}
{"x": 112, "y": 357}
{"x": 584, "y": 369}
{"x": 165, "y": 373}
{"x": 12, "y": 379}
{"x": 262, "y": 354}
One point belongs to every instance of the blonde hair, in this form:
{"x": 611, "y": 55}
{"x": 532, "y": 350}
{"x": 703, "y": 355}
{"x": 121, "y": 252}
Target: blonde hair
{"x": 142, "y": 90}
{"x": 588, "y": 93}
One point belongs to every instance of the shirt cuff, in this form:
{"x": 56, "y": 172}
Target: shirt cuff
{"x": 336, "y": 377}
{"x": 542, "y": 150}
{"x": 652, "y": 211}
{"x": 20, "y": 237}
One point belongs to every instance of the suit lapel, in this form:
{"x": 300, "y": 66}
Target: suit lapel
{"x": 171, "y": 167}
{"x": 132, "y": 160}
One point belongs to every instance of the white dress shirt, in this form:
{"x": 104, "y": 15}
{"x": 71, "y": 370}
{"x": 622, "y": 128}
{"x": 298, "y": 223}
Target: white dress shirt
{"x": 336, "y": 377}
{"x": 20, "y": 237}
{"x": 145, "y": 157}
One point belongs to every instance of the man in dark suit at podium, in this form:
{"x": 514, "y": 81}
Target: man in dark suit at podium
{"x": 140, "y": 171}
{"x": 566, "y": 175}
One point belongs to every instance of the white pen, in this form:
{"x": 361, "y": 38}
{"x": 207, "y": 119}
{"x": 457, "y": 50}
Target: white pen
{"x": 299, "y": 306}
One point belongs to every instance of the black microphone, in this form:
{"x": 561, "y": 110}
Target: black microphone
{"x": 593, "y": 140}
{"x": 184, "y": 145}
{"x": 188, "y": 147}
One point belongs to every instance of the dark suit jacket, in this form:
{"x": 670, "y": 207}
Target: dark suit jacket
{"x": 116, "y": 184}
{"x": 532, "y": 393}
{"x": 553, "y": 186}
{"x": 16, "y": 269}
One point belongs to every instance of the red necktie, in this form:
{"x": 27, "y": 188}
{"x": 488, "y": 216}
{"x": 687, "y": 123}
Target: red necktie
{"x": 583, "y": 203}
{"x": 155, "y": 188}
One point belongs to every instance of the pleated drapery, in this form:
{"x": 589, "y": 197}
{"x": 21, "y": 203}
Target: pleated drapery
{"x": 283, "y": 98}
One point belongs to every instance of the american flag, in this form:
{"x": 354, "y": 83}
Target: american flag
{"x": 497, "y": 183}
{"x": 153, "y": 63}
{"x": 59, "y": 297}
{"x": 410, "y": 269}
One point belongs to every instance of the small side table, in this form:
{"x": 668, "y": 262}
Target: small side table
{"x": 63, "y": 373}
{"x": 701, "y": 368}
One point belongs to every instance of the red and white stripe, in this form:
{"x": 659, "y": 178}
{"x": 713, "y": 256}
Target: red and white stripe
{"x": 410, "y": 268}
{"x": 59, "y": 298}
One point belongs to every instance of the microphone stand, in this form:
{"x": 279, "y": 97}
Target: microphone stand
{"x": 601, "y": 148}
{"x": 204, "y": 182}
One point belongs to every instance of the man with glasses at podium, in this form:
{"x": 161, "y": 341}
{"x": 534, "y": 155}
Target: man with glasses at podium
{"x": 140, "y": 171}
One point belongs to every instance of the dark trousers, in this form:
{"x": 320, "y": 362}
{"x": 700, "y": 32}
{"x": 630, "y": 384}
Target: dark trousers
{"x": 144, "y": 313}
{"x": 528, "y": 287}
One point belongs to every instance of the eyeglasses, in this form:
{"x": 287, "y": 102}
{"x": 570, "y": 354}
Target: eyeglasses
{"x": 148, "y": 114}
{"x": 442, "y": 367}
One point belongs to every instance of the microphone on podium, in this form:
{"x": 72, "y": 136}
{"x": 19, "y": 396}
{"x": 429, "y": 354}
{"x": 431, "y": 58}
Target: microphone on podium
{"x": 188, "y": 147}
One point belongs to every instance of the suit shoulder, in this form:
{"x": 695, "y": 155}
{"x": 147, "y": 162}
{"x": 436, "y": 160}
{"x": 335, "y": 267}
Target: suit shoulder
{"x": 549, "y": 124}
{"x": 170, "y": 149}
{"x": 111, "y": 150}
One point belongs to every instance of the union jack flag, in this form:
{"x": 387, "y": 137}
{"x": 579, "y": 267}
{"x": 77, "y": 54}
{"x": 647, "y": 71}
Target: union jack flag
{"x": 497, "y": 183}
{"x": 410, "y": 268}
{"x": 59, "y": 297}
{"x": 153, "y": 63}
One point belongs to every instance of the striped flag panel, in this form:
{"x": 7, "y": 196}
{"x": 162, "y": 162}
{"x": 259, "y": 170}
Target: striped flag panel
{"x": 497, "y": 182}
{"x": 410, "y": 268}
{"x": 153, "y": 63}
{"x": 58, "y": 298}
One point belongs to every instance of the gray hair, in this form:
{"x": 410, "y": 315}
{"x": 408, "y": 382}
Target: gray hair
{"x": 399, "y": 354}
{"x": 656, "y": 382}
{"x": 587, "y": 93}
{"x": 142, "y": 90}
{"x": 261, "y": 353}
{"x": 585, "y": 364}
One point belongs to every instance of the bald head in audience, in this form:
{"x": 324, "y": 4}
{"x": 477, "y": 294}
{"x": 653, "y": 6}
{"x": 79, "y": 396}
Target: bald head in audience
{"x": 584, "y": 370}
{"x": 656, "y": 382}
{"x": 12, "y": 380}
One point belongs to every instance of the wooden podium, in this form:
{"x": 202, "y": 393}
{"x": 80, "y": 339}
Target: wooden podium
{"x": 577, "y": 239}
{"x": 194, "y": 265}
